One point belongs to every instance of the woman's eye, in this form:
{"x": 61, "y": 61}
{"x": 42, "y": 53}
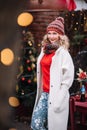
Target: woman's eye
{"x": 49, "y": 33}
{"x": 54, "y": 33}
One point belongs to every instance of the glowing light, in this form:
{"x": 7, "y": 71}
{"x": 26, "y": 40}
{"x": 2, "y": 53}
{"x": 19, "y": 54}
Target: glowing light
{"x": 14, "y": 102}
{"x": 7, "y": 56}
{"x": 75, "y": 29}
{"x": 24, "y": 19}
{"x": 76, "y": 22}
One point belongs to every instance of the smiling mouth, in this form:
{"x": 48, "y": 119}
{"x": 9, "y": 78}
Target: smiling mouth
{"x": 52, "y": 40}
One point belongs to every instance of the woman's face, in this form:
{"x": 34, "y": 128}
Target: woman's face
{"x": 53, "y": 36}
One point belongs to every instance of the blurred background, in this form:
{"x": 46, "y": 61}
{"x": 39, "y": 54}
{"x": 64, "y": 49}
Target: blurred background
{"x": 16, "y": 78}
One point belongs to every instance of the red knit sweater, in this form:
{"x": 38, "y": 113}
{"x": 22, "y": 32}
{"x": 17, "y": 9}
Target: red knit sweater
{"x": 45, "y": 66}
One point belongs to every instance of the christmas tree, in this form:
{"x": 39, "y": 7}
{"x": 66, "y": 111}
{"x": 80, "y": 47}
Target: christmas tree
{"x": 26, "y": 78}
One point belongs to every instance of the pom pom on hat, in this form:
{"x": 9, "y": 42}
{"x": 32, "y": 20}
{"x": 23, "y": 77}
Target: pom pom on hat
{"x": 61, "y": 19}
{"x": 57, "y": 25}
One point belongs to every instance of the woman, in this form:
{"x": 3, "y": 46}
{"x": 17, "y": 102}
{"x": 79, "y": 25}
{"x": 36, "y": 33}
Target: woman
{"x": 55, "y": 74}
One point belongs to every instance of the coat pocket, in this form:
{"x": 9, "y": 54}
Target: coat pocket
{"x": 61, "y": 107}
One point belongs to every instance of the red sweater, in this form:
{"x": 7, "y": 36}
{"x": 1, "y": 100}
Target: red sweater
{"x": 45, "y": 66}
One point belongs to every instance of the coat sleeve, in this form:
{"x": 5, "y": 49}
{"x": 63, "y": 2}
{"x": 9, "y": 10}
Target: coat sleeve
{"x": 67, "y": 71}
{"x": 67, "y": 77}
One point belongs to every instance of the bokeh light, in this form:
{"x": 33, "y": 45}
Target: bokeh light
{"x": 14, "y": 102}
{"x": 7, "y": 56}
{"x": 24, "y": 19}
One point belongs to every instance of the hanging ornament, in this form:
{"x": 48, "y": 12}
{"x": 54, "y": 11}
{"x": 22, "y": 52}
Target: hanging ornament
{"x": 33, "y": 65}
{"x": 29, "y": 69}
{"x": 32, "y": 58}
{"x": 27, "y": 61}
{"x": 29, "y": 81}
{"x": 35, "y": 79}
{"x": 22, "y": 78}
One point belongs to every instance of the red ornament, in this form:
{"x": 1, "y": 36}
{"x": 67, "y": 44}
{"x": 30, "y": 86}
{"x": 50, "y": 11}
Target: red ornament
{"x": 29, "y": 69}
{"x": 23, "y": 78}
{"x": 29, "y": 81}
{"x": 28, "y": 61}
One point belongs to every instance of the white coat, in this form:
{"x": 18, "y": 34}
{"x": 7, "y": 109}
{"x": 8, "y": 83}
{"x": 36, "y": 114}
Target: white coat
{"x": 61, "y": 79}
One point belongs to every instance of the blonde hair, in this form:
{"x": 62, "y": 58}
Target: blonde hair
{"x": 63, "y": 41}
{"x": 45, "y": 40}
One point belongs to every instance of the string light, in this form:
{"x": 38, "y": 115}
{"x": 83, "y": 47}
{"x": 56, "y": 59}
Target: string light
{"x": 73, "y": 14}
{"x": 30, "y": 52}
{"x": 22, "y": 92}
{"x": 75, "y": 29}
{"x": 39, "y": 44}
{"x": 30, "y": 43}
{"x": 77, "y": 23}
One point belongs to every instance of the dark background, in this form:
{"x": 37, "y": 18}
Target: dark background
{"x": 9, "y": 38}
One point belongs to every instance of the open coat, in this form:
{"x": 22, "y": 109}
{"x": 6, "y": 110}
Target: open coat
{"x": 61, "y": 79}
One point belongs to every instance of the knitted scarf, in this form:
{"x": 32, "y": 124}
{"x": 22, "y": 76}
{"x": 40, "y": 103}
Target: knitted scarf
{"x": 50, "y": 47}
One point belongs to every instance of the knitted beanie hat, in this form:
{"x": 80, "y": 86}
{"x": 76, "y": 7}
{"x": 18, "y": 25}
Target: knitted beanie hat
{"x": 57, "y": 25}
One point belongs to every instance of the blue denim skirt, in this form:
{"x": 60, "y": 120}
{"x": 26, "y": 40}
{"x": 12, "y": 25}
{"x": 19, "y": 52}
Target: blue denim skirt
{"x": 39, "y": 117}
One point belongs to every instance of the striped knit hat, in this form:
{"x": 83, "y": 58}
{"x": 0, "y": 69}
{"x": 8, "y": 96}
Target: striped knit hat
{"x": 57, "y": 25}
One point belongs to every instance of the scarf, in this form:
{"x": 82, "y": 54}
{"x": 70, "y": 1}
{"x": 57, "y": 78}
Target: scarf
{"x": 50, "y": 47}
